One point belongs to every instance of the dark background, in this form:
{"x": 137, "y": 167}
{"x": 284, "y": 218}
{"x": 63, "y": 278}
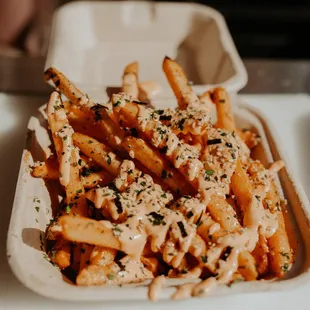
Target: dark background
{"x": 267, "y": 29}
{"x": 272, "y": 38}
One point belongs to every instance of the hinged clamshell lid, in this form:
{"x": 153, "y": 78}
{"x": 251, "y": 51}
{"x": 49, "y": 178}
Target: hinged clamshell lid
{"x": 91, "y": 42}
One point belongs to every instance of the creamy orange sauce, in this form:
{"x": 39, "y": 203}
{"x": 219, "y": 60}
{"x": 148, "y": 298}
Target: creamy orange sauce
{"x": 192, "y": 120}
{"x": 142, "y": 203}
{"x": 224, "y": 272}
{"x": 161, "y": 226}
{"x": 147, "y": 214}
{"x": 190, "y": 207}
{"x": 182, "y": 154}
{"x": 276, "y": 167}
{"x": 155, "y": 287}
{"x": 122, "y": 178}
{"x": 204, "y": 287}
{"x": 191, "y": 274}
{"x": 213, "y": 174}
{"x": 184, "y": 291}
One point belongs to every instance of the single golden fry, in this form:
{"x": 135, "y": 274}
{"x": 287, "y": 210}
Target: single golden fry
{"x": 241, "y": 187}
{"x": 179, "y": 84}
{"x": 99, "y": 152}
{"x": 63, "y": 84}
{"x": 130, "y": 80}
{"x": 85, "y": 230}
{"x": 225, "y": 117}
{"x": 281, "y": 255}
{"x": 67, "y": 156}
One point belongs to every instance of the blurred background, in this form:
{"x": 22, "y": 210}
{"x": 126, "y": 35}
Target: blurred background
{"x": 260, "y": 28}
{"x": 274, "y": 32}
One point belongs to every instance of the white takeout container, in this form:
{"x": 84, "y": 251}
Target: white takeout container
{"x": 28, "y": 223}
{"x": 92, "y": 42}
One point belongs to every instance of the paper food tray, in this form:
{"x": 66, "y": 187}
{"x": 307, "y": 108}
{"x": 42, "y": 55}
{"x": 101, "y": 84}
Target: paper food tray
{"x": 27, "y": 224}
{"x": 91, "y": 42}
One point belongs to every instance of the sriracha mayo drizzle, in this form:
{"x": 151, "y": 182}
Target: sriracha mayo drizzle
{"x": 193, "y": 120}
{"x": 276, "y": 167}
{"x": 182, "y": 154}
{"x": 156, "y": 286}
{"x": 213, "y": 172}
{"x": 143, "y": 206}
{"x": 257, "y": 220}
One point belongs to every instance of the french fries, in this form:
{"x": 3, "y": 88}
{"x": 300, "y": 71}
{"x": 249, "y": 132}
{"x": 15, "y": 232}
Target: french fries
{"x": 151, "y": 192}
{"x": 96, "y": 112}
{"x": 47, "y": 170}
{"x": 179, "y": 84}
{"x": 281, "y": 255}
{"x": 84, "y": 230}
{"x": 130, "y": 80}
{"x": 69, "y": 175}
{"x": 242, "y": 188}
{"x": 223, "y": 109}
{"x": 89, "y": 178}
{"x": 137, "y": 148}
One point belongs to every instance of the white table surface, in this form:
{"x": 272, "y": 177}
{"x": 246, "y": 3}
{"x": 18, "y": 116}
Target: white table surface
{"x": 290, "y": 114}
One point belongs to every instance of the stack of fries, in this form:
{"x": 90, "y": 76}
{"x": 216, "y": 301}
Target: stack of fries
{"x": 151, "y": 194}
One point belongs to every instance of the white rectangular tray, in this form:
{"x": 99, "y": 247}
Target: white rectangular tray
{"x": 91, "y": 42}
{"x": 28, "y": 223}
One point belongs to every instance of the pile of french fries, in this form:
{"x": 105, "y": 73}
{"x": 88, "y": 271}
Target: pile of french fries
{"x": 150, "y": 194}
